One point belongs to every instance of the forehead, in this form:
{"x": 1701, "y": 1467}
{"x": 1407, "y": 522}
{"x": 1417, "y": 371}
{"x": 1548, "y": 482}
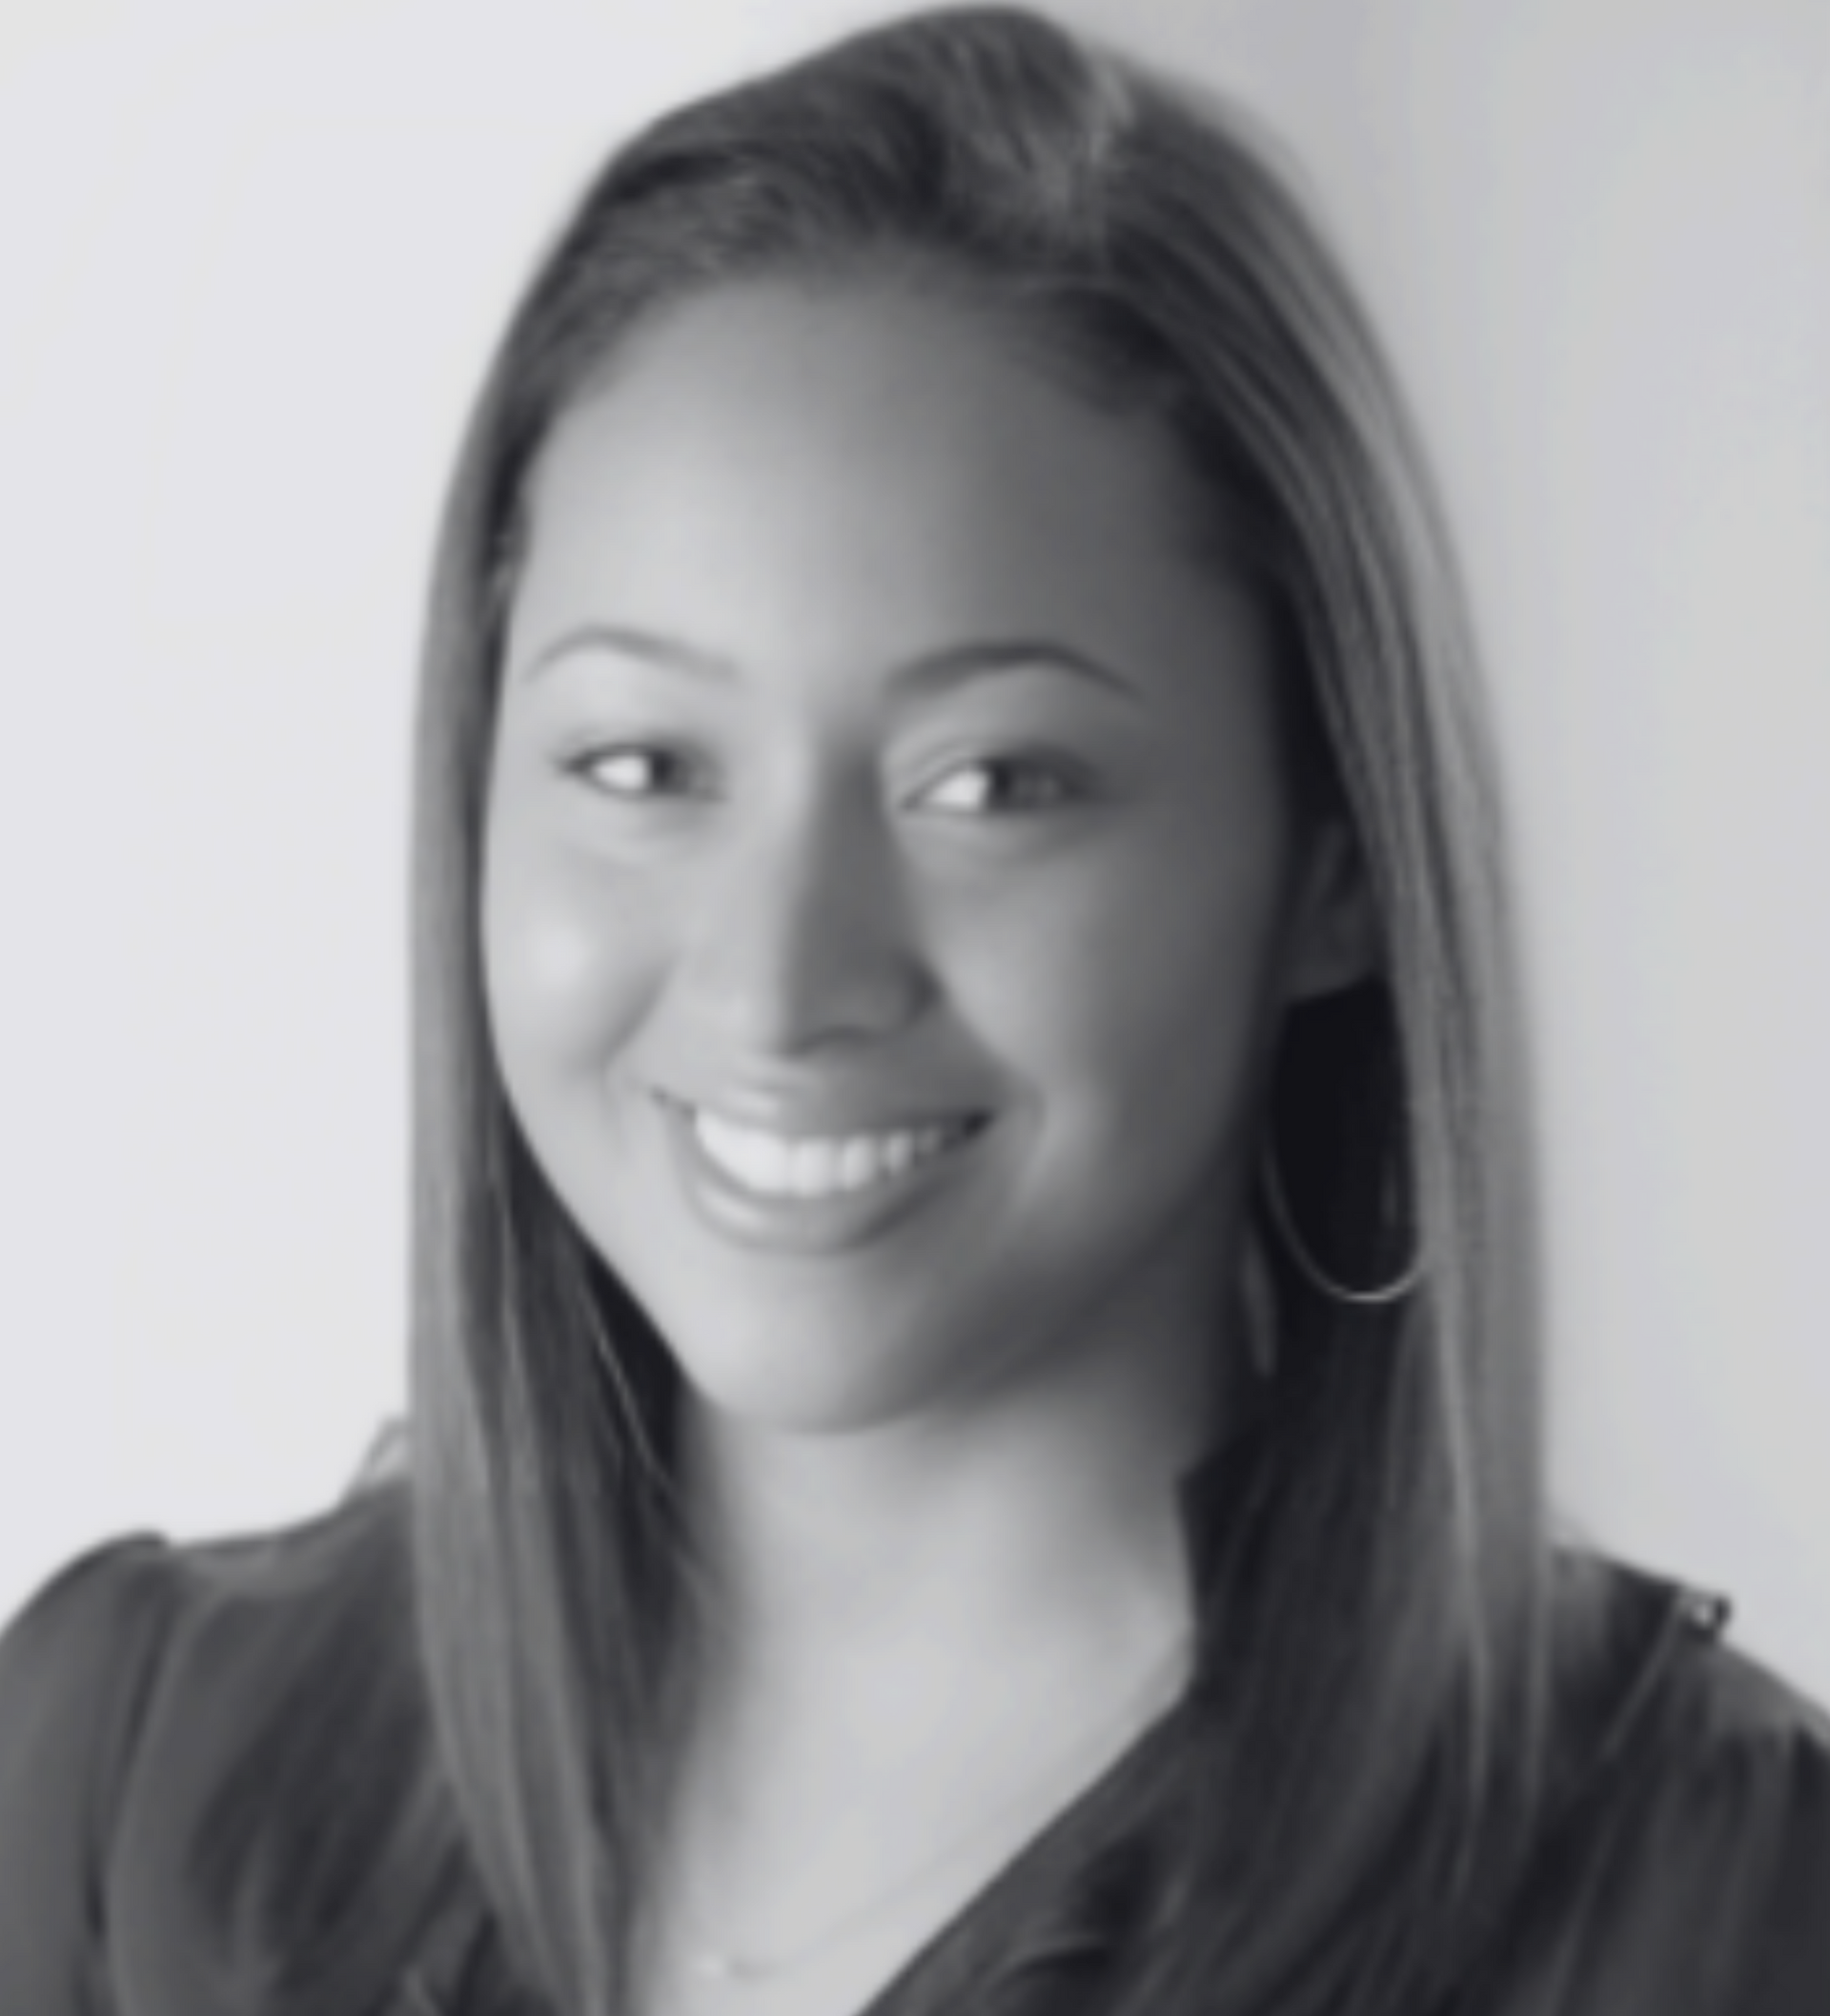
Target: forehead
{"x": 771, "y": 459}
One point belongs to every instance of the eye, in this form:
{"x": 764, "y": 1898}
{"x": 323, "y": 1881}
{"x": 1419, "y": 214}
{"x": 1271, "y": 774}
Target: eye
{"x": 635, "y": 770}
{"x": 999, "y": 785}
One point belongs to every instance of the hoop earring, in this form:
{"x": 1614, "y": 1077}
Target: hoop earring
{"x": 1314, "y": 1272}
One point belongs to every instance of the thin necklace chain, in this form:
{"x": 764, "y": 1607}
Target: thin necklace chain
{"x": 708, "y": 1960}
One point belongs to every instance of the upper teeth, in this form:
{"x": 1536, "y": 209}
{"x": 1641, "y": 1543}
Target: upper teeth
{"x": 815, "y": 1166}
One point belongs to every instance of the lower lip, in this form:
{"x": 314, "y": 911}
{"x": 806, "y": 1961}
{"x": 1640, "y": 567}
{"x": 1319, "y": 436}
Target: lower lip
{"x": 806, "y": 1225}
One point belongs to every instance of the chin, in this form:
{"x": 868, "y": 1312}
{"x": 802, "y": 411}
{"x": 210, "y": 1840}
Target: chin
{"x": 791, "y": 1379}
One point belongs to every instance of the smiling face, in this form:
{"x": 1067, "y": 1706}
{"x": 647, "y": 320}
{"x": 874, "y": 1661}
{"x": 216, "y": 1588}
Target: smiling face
{"x": 890, "y": 882}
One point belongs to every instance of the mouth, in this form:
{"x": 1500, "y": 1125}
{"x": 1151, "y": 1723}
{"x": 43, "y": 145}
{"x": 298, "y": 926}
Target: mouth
{"x": 816, "y": 1166}
{"x": 814, "y": 1191}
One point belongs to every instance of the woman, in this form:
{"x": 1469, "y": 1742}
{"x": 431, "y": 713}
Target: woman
{"x": 974, "y": 1439}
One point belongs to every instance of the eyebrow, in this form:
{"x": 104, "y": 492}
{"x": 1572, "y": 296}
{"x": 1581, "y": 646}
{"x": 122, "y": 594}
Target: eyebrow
{"x": 932, "y": 671}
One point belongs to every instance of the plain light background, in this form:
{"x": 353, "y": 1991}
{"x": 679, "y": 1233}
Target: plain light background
{"x": 251, "y": 258}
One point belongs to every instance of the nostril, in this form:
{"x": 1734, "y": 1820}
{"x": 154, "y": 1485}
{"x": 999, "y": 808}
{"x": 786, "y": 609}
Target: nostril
{"x": 781, "y": 996}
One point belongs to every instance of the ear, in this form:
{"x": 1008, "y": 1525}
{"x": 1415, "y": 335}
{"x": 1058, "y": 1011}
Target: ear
{"x": 1334, "y": 941}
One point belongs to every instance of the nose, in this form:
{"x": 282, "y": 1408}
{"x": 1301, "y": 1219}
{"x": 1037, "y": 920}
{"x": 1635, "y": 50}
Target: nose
{"x": 805, "y": 934}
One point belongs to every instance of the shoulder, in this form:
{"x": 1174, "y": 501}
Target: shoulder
{"x": 1701, "y": 1732}
{"x": 94, "y": 1641}
{"x": 117, "y": 1594}
{"x": 76, "y": 1670}
{"x": 1686, "y": 1865}
{"x": 79, "y": 1668}
{"x": 134, "y": 1687}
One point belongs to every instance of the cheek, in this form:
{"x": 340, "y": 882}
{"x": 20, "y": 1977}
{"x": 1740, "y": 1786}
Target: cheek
{"x": 567, "y": 969}
{"x": 1145, "y": 990}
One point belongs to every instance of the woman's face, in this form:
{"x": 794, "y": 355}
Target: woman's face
{"x": 890, "y": 877}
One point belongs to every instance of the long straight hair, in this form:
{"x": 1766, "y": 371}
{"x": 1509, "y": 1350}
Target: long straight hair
{"x": 1383, "y": 1734}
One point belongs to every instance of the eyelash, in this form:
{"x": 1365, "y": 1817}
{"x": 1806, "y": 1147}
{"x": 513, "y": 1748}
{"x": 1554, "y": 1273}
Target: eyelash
{"x": 1061, "y": 783}
{"x": 586, "y": 766}
{"x": 1061, "y": 786}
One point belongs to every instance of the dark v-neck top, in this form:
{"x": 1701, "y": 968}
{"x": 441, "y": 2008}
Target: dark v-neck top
{"x": 1687, "y": 1875}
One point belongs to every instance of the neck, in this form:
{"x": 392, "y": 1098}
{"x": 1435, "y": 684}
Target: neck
{"x": 1037, "y": 1526}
